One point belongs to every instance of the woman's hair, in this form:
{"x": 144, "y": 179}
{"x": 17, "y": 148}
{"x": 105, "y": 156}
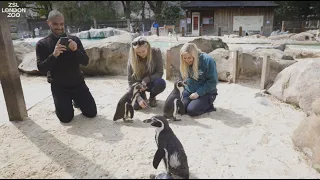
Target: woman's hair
{"x": 193, "y": 50}
{"x": 136, "y": 62}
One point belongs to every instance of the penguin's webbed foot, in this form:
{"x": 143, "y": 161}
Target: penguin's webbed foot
{"x": 128, "y": 120}
{"x": 174, "y": 119}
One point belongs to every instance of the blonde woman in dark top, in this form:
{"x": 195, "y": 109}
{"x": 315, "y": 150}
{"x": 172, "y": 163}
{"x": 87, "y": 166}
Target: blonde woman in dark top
{"x": 145, "y": 65}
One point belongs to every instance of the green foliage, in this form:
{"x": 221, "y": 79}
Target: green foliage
{"x": 79, "y": 12}
{"x": 42, "y": 8}
{"x": 167, "y": 11}
{"x": 297, "y": 10}
{"x": 75, "y": 12}
{"x": 136, "y": 6}
{"x": 157, "y": 7}
{"x": 171, "y": 14}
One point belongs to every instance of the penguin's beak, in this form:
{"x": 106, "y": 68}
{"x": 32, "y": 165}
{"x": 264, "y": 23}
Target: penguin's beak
{"x": 185, "y": 82}
{"x": 153, "y": 122}
{"x": 181, "y": 84}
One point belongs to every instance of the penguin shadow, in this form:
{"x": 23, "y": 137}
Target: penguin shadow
{"x": 230, "y": 118}
{"x": 136, "y": 123}
{"x": 99, "y": 127}
{"x": 54, "y": 148}
{"x": 193, "y": 176}
{"x": 187, "y": 120}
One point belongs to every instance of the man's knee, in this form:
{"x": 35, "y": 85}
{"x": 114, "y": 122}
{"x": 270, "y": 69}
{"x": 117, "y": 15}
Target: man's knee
{"x": 65, "y": 117}
{"x": 90, "y": 112}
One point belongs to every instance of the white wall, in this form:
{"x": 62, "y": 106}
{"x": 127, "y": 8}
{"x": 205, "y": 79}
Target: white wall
{"x": 249, "y": 23}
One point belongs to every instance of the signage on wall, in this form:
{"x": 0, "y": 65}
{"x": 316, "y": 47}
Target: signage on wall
{"x": 207, "y": 20}
{"x": 188, "y": 20}
{"x": 183, "y": 23}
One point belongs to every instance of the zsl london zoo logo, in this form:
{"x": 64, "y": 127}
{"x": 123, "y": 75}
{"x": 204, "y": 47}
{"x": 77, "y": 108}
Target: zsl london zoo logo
{"x": 13, "y": 10}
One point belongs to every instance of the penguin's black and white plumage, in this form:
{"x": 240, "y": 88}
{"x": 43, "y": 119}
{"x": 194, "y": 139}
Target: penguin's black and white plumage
{"x": 170, "y": 149}
{"x": 125, "y": 105}
{"x": 174, "y": 103}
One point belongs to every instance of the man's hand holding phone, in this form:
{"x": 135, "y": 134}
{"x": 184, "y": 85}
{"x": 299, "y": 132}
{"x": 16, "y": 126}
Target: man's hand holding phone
{"x": 59, "y": 48}
{"x": 72, "y": 45}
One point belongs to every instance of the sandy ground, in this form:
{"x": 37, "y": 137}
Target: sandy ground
{"x": 246, "y": 137}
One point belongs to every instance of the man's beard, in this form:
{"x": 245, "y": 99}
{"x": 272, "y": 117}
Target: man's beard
{"x": 61, "y": 33}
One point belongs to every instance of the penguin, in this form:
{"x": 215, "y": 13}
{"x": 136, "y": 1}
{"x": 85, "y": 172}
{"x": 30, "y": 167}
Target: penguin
{"x": 170, "y": 149}
{"x": 174, "y": 103}
{"x": 125, "y": 105}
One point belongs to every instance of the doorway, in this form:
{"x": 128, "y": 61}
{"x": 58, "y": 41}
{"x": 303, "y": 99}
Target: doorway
{"x": 195, "y": 24}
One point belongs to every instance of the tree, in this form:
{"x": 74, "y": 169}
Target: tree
{"x": 85, "y": 12}
{"x": 297, "y": 10}
{"x": 156, "y": 7}
{"x": 171, "y": 14}
{"x": 42, "y": 8}
{"x": 127, "y": 11}
{"x": 143, "y": 4}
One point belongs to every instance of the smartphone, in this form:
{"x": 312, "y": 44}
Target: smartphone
{"x": 65, "y": 41}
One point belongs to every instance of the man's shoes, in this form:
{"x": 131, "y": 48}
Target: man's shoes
{"x": 153, "y": 102}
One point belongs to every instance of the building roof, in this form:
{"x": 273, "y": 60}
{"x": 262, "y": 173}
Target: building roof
{"x": 208, "y": 4}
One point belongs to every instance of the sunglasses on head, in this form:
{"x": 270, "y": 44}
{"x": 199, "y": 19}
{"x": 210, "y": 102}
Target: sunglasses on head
{"x": 139, "y": 42}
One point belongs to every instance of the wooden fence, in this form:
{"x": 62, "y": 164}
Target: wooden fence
{"x": 296, "y": 26}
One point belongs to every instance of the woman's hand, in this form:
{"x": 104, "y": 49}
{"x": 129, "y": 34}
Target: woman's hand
{"x": 194, "y": 96}
{"x": 142, "y": 103}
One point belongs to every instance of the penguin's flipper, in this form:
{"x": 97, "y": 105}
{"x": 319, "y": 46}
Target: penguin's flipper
{"x": 158, "y": 157}
{"x": 118, "y": 115}
{"x": 180, "y": 105}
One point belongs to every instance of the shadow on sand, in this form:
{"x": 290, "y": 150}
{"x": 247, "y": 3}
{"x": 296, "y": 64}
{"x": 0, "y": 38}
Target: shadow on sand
{"x": 109, "y": 130}
{"x": 227, "y": 116}
{"x": 153, "y": 110}
{"x": 77, "y": 165}
{"x": 230, "y": 118}
{"x": 185, "y": 119}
